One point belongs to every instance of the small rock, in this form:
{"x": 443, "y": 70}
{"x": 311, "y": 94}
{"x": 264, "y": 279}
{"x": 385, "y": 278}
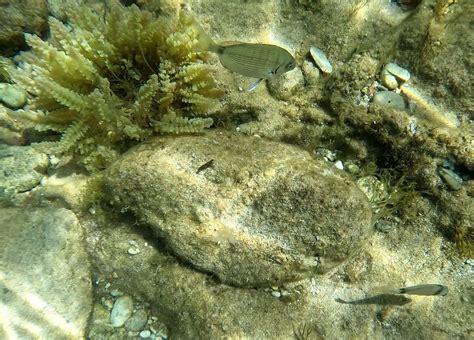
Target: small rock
{"x": 384, "y": 226}
{"x": 12, "y": 96}
{"x": 352, "y": 168}
{"x": 137, "y": 321}
{"x": 373, "y": 188}
{"x": 133, "y": 250}
{"x": 286, "y": 85}
{"x": 339, "y": 165}
{"x": 389, "y": 99}
{"x": 321, "y": 59}
{"x": 145, "y": 334}
{"x": 276, "y": 294}
{"x": 452, "y": 179}
{"x": 311, "y": 73}
{"x": 122, "y": 310}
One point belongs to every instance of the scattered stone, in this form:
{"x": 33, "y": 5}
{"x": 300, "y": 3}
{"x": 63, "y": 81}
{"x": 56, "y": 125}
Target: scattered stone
{"x": 384, "y": 226}
{"x": 389, "y": 99}
{"x": 311, "y": 73}
{"x": 145, "y": 334}
{"x": 137, "y": 321}
{"x": 352, "y": 168}
{"x": 320, "y": 59}
{"x": 122, "y": 310}
{"x": 22, "y": 168}
{"x": 286, "y": 85}
{"x": 452, "y": 179}
{"x": 339, "y": 165}
{"x": 133, "y": 250}
{"x": 276, "y": 293}
{"x": 275, "y": 203}
{"x": 326, "y": 154}
{"x": 12, "y": 96}
{"x": 374, "y": 189}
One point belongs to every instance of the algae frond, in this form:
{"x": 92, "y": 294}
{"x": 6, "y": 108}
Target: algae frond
{"x": 104, "y": 80}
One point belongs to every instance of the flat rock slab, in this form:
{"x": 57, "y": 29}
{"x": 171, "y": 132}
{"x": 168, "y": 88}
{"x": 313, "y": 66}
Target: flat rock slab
{"x": 250, "y": 211}
{"x": 45, "y": 286}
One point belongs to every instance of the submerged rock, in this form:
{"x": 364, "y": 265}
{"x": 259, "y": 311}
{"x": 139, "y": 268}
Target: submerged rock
{"x": 45, "y": 285}
{"x": 22, "y": 169}
{"x": 262, "y": 213}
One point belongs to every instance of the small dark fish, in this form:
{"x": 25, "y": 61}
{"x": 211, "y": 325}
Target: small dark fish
{"x": 205, "y": 166}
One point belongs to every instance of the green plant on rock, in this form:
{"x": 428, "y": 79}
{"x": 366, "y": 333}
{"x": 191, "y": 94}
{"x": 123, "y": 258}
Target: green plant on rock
{"x": 106, "y": 80}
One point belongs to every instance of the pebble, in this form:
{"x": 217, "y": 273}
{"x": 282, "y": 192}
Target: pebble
{"x": 373, "y": 188}
{"x": 397, "y": 71}
{"x": 339, "y": 165}
{"x": 384, "y": 226}
{"x": 133, "y": 250}
{"x": 286, "y": 85}
{"x": 310, "y": 72}
{"x": 145, "y": 334}
{"x": 137, "y": 321}
{"x": 352, "y": 168}
{"x": 452, "y": 179}
{"x": 276, "y": 294}
{"x": 12, "y": 96}
{"x": 389, "y": 99}
{"x": 320, "y": 59}
{"x": 327, "y": 154}
{"x": 122, "y": 310}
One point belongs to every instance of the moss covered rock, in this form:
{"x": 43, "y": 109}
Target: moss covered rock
{"x": 259, "y": 213}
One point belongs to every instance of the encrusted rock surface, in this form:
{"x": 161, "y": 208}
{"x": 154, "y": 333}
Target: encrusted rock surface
{"x": 45, "y": 286}
{"x": 263, "y": 213}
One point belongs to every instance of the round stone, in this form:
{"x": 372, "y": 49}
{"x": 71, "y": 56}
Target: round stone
{"x": 122, "y": 310}
{"x": 286, "y": 85}
{"x": 262, "y": 214}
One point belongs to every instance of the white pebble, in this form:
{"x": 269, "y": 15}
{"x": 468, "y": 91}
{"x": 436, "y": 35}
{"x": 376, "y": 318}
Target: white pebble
{"x": 276, "y": 294}
{"x": 339, "y": 165}
{"x": 321, "y": 60}
{"x": 145, "y": 334}
{"x": 133, "y": 251}
{"x": 122, "y": 310}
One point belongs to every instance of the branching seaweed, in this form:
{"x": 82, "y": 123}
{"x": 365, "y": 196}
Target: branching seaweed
{"x": 106, "y": 80}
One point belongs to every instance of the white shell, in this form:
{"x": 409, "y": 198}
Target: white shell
{"x": 320, "y": 59}
{"x": 389, "y": 99}
{"x": 397, "y": 71}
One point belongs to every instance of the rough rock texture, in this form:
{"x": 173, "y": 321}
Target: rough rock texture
{"x": 22, "y": 169}
{"x": 193, "y": 305}
{"x": 18, "y": 17}
{"x": 263, "y": 213}
{"x": 45, "y": 287}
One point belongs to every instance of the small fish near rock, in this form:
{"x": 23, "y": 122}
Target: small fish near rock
{"x": 261, "y": 61}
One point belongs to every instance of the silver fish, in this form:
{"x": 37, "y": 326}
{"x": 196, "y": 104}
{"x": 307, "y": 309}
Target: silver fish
{"x": 260, "y": 61}
{"x": 426, "y": 289}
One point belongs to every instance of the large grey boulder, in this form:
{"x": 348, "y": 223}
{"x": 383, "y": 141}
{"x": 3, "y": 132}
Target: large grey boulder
{"x": 263, "y": 212}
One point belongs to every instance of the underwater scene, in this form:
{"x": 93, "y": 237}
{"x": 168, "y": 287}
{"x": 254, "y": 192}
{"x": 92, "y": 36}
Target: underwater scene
{"x": 245, "y": 169}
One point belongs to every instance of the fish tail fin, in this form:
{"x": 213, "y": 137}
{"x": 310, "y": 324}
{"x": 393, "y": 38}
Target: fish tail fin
{"x": 204, "y": 41}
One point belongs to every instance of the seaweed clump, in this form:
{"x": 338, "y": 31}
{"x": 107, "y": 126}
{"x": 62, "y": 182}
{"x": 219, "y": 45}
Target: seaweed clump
{"x": 104, "y": 81}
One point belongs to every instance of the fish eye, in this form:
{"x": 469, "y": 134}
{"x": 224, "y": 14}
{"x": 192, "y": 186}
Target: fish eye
{"x": 290, "y": 65}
